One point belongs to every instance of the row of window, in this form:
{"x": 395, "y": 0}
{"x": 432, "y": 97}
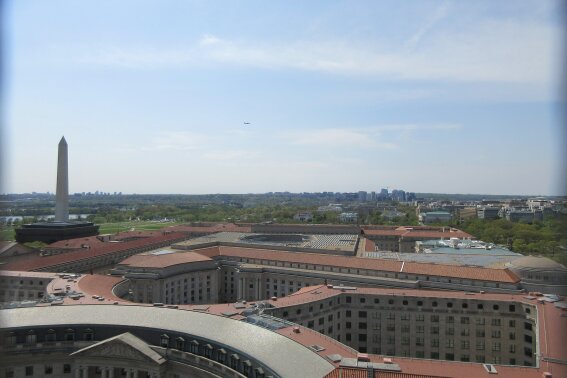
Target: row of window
{"x": 29, "y": 370}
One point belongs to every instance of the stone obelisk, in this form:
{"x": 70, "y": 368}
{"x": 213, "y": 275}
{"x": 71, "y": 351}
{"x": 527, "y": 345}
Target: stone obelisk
{"x": 62, "y": 191}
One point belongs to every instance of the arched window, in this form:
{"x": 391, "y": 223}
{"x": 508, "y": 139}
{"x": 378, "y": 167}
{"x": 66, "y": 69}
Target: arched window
{"x": 180, "y": 343}
{"x": 69, "y": 334}
{"x": 164, "y": 341}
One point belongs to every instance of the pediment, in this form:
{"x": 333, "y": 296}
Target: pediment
{"x": 123, "y": 347}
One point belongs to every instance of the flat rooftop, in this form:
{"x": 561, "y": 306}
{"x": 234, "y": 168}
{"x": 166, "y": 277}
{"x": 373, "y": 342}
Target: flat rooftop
{"x": 317, "y": 242}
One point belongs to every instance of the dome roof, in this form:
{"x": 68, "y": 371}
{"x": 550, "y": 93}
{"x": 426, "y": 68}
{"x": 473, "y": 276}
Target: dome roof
{"x": 536, "y": 262}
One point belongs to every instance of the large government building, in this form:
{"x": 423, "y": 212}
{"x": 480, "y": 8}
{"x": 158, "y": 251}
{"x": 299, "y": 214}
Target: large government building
{"x": 276, "y": 301}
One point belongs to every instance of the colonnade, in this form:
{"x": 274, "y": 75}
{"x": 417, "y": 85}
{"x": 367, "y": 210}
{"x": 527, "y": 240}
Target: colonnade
{"x": 83, "y": 371}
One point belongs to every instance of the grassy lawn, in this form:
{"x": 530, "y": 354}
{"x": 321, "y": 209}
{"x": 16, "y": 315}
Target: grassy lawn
{"x": 7, "y": 233}
{"x": 112, "y": 228}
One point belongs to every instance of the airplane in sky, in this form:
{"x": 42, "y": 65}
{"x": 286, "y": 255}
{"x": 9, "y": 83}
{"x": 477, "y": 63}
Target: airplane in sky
{"x": 246, "y": 123}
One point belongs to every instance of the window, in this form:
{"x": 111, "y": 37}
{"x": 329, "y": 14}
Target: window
{"x": 527, "y": 338}
{"x": 435, "y": 318}
{"x": 512, "y": 336}
{"x": 449, "y": 343}
{"x": 164, "y": 341}
{"x": 496, "y": 347}
{"x": 419, "y": 317}
{"x": 465, "y": 344}
{"x": 348, "y": 314}
{"x": 512, "y": 308}
{"x": 48, "y": 369}
{"x": 362, "y": 314}
{"x": 31, "y": 337}
{"x": 348, "y": 299}
{"x": 496, "y": 322}
{"x": 88, "y": 335}
{"x": 361, "y": 325}
{"x": 465, "y": 320}
{"x": 511, "y": 323}
{"x": 512, "y": 348}
{"x": 480, "y": 321}
{"x": 480, "y": 333}
{"x": 66, "y": 368}
{"x": 496, "y": 334}
{"x": 480, "y": 345}
{"x": 419, "y": 341}
{"x": 69, "y": 335}
{"x": 419, "y": 329}
{"x": 362, "y": 337}
{"x": 9, "y": 372}
{"x": 29, "y": 371}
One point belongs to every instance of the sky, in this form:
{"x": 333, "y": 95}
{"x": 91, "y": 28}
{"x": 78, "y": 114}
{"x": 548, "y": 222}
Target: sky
{"x": 153, "y": 96}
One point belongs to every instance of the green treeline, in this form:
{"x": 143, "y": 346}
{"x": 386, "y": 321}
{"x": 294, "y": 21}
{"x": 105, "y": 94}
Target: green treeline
{"x": 548, "y": 238}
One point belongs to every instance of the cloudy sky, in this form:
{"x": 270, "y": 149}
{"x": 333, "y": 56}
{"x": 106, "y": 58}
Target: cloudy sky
{"x": 152, "y": 96}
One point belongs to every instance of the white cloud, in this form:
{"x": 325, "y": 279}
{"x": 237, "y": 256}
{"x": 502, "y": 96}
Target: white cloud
{"x": 337, "y": 137}
{"x": 177, "y": 141}
{"x": 489, "y": 51}
{"x": 230, "y": 155}
{"x": 374, "y": 137}
{"x": 416, "y": 127}
{"x": 208, "y": 39}
{"x": 439, "y": 13}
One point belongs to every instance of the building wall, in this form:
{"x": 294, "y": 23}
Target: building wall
{"x": 231, "y": 278}
{"x": 435, "y": 328}
{"x": 22, "y": 288}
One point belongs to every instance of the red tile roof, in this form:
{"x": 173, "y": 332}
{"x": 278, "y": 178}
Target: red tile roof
{"x": 35, "y": 262}
{"x": 473, "y": 273}
{"x": 220, "y": 227}
{"x": 417, "y": 232}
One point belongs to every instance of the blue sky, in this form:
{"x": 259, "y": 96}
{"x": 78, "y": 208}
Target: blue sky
{"x": 427, "y": 96}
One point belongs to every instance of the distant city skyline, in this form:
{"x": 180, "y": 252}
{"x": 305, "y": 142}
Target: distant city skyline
{"x": 255, "y": 97}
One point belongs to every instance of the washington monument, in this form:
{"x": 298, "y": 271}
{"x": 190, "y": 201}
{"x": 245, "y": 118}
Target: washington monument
{"x": 62, "y": 190}
{"x": 61, "y": 228}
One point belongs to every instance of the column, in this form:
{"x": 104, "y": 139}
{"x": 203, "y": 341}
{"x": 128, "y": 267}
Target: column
{"x": 85, "y": 372}
{"x": 258, "y": 291}
{"x": 78, "y": 371}
{"x": 110, "y": 372}
{"x": 239, "y": 293}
